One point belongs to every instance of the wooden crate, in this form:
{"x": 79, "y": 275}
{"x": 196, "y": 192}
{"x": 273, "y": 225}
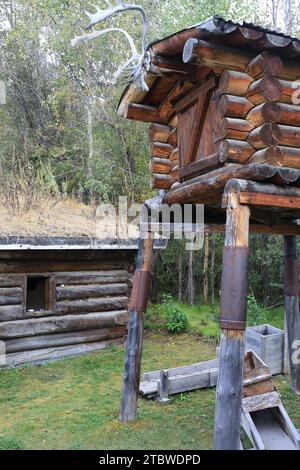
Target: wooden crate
{"x": 268, "y": 343}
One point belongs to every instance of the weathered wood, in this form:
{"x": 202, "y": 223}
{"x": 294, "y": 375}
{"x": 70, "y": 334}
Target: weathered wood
{"x": 265, "y": 135}
{"x": 278, "y": 156}
{"x": 62, "y": 324}
{"x": 174, "y": 156}
{"x": 67, "y": 307}
{"x": 160, "y": 165}
{"x": 11, "y": 312}
{"x": 163, "y": 387}
{"x": 137, "y": 308}
{"x": 265, "y": 112}
{"x": 265, "y": 63}
{"x": 173, "y": 138}
{"x": 49, "y": 354}
{"x": 260, "y": 402}
{"x": 87, "y": 291}
{"x": 230, "y": 380}
{"x": 211, "y": 55}
{"x": 265, "y": 89}
{"x": 99, "y": 277}
{"x": 37, "y": 266}
{"x": 274, "y": 112}
{"x": 237, "y": 151}
{"x": 166, "y": 109}
{"x": 236, "y": 129}
{"x": 10, "y": 295}
{"x": 63, "y": 339}
{"x": 161, "y": 150}
{"x": 268, "y": 343}
{"x": 272, "y": 200}
{"x": 202, "y": 166}
{"x": 159, "y": 133}
{"x": 234, "y": 83}
{"x": 160, "y": 181}
{"x": 10, "y": 280}
{"x": 234, "y": 106}
{"x": 193, "y": 95}
{"x": 141, "y": 112}
{"x": 292, "y": 315}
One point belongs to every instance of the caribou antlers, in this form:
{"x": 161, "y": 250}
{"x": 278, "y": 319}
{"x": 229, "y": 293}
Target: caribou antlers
{"x": 133, "y": 69}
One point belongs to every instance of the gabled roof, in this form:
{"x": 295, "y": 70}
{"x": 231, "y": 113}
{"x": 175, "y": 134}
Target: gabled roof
{"x": 215, "y": 30}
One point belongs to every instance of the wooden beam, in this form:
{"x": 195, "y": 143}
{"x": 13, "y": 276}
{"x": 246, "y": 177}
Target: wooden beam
{"x": 233, "y": 323}
{"x": 141, "y": 112}
{"x": 137, "y": 308}
{"x": 259, "y": 199}
{"x": 159, "y": 133}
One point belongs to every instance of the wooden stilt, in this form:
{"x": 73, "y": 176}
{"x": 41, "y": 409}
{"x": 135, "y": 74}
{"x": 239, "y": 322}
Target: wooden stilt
{"x": 137, "y": 307}
{"x": 233, "y": 322}
{"x": 292, "y": 316}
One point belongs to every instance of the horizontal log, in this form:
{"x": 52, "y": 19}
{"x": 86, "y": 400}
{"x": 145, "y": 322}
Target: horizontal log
{"x": 289, "y": 88}
{"x": 49, "y": 354}
{"x": 210, "y": 184}
{"x": 200, "y": 167}
{"x": 141, "y": 112}
{"x": 275, "y": 112}
{"x": 234, "y": 83}
{"x": 159, "y": 133}
{"x": 211, "y": 55}
{"x": 265, "y": 89}
{"x": 63, "y": 339}
{"x": 236, "y": 129}
{"x": 265, "y": 63}
{"x": 160, "y": 165}
{"x": 289, "y": 135}
{"x": 173, "y": 138}
{"x": 234, "y": 106}
{"x": 11, "y": 295}
{"x": 278, "y": 156}
{"x": 275, "y": 229}
{"x": 236, "y": 151}
{"x": 160, "y": 181}
{"x": 264, "y": 136}
{"x": 100, "y": 277}
{"x": 59, "y": 324}
{"x": 158, "y": 149}
{"x": 91, "y": 305}
{"x": 38, "y": 266}
{"x": 84, "y": 292}
{"x": 11, "y": 312}
{"x": 9, "y": 280}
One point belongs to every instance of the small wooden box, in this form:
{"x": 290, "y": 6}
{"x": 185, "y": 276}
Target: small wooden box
{"x": 268, "y": 343}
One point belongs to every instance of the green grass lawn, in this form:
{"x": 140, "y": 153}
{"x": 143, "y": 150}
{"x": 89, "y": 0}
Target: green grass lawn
{"x": 74, "y": 403}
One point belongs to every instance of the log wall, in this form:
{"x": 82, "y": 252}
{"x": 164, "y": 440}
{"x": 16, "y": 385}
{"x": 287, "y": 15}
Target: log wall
{"x": 88, "y": 309}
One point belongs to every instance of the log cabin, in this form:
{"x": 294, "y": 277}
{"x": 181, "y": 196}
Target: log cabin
{"x": 223, "y": 109}
{"x": 62, "y": 296}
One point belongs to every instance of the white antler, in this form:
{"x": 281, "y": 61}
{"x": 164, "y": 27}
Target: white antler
{"x": 135, "y": 65}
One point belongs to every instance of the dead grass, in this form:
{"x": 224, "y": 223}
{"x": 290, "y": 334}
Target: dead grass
{"x": 57, "y": 218}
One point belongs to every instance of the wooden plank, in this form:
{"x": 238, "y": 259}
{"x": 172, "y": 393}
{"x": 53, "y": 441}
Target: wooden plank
{"x": 204, "y": 165}
{"x": 11, "y": 312}
{"x": 54, "y": 353}
{"x": 194, "y": 94}
{"x": 259, "y": 199}
{"x": 62, "y": 324}
{"x": 63, "y": 339}
{"x": 261, "y": 402}
{"x": 140, "y": 112}
{"x": 87, "y": 291}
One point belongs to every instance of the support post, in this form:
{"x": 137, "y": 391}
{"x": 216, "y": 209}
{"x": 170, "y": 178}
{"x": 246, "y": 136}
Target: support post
{"x": 291, "y": 301}
{"x": 137, "y": 307}
{"x": 234, "y": 289}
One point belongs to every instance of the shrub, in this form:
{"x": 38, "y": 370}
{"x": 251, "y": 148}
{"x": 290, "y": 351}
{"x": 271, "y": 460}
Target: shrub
{"x": 177, "y": 321}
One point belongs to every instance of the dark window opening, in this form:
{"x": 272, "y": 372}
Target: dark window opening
{"x": 37, "y": 294}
